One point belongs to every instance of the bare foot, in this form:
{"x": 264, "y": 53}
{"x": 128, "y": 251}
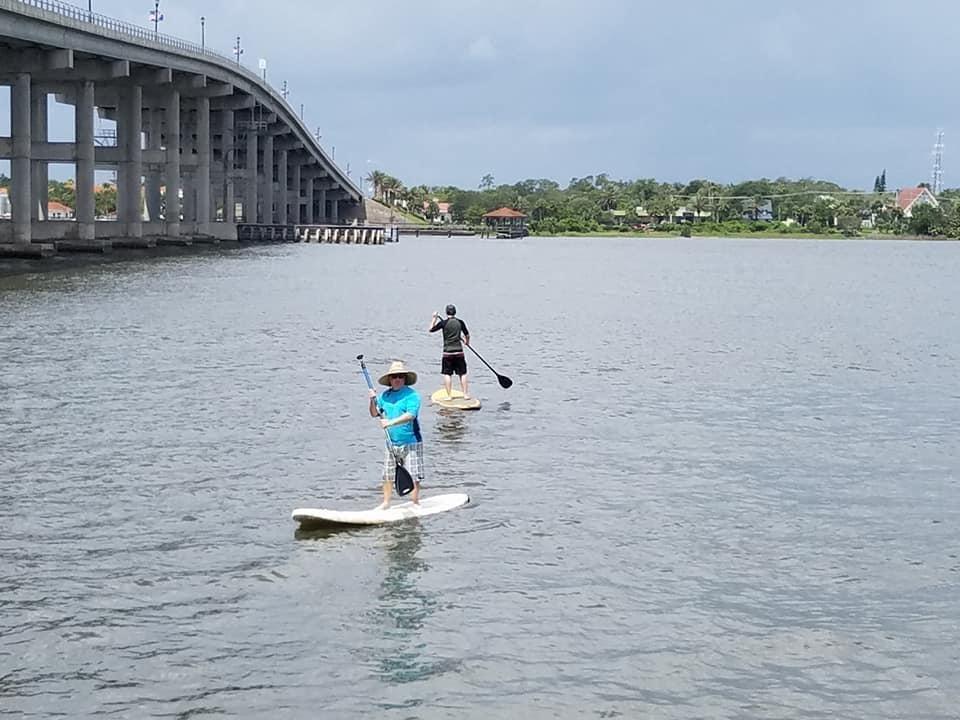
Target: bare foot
{"x": 383, "y": 506}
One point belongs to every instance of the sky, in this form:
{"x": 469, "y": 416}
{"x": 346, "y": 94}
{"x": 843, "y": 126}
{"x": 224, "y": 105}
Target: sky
{"x": 443, "y": 93}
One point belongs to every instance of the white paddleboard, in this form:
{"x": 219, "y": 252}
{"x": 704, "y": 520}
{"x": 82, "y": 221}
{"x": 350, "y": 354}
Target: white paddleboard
{"x": 454, "y": 401}
{"x": 322, "y": 517}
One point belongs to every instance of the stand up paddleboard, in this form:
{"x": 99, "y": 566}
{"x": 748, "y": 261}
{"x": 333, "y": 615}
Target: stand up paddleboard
{"x": 455, "y": 401}
{"x": 313, "y": 518}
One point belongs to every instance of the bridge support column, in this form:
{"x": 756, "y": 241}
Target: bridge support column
{"x": 283, "y": 190}
{"x": 153, "y": 179}
{"x": 40, "y": 173}
{"x": 296, "y": 199}
{"x": 322, "y": 216}
{"x": 203, "y": 169}
{"x": 130, "y": 172}
{"x": 335, "y": 212}
{"x": 308, "y": 208}
{"x": 172, "y": 168}
{"x": 268, "y": 216}
{"x": 20, "y": 188}
{"x": 83, "y": 129}
{"x": 227, "y": 141}
{"x": 250, "y": 214}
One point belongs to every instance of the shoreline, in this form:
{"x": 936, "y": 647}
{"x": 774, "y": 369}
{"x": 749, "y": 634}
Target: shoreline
{"x": 747, "y": 236}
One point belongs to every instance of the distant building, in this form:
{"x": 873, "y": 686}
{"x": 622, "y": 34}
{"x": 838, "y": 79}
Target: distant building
{"x": 757, "y": 211}
{"x": 4, "y": 203}
{"x": 506, "y": 222}
{"x": 909, "y": 198}
{"x": 59, "y": 211}
{"x": 444, "y": 211}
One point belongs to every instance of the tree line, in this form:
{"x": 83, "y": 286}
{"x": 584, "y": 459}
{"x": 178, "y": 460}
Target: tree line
{"x": 600, "y": 203}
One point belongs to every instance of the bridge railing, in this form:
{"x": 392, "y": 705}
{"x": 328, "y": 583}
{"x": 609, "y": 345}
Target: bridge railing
{"x": 119, "y": 26}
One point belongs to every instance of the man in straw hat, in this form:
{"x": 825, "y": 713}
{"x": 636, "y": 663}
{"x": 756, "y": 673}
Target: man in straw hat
{"x": 398, "y": 407}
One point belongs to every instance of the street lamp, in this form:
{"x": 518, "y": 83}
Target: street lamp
{"x": 203, "y": 33}
{"x": 237, "y": 50}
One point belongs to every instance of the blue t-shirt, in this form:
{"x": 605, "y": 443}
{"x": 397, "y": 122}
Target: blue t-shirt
{"x": 393, "y": 404}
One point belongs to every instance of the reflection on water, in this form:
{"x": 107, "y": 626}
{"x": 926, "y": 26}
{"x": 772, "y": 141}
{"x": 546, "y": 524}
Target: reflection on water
{"x": 451, "y": 425}
{"x": 402, "y": 609}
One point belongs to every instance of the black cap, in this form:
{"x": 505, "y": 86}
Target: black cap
{"x": 451, "y": 309}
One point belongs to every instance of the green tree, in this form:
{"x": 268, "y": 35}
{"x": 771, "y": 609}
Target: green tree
{"x": 486, "y": 182}
{"x": 927, "y": 220}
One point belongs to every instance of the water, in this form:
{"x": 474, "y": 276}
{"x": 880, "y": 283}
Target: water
{"x": 723, "y": 484}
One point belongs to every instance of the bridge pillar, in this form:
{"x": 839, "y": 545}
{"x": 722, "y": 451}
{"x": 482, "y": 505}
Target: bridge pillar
{"x": 130, "y": 172}
{"x": 322, "y": 216}
{"x": 334, "y": 212}
{"x": 308, "y": 193}
{"x": 153, "y": 179}
{"x": 227, "y": 142}
{"x": 39, "y": 169}
{"x": 203, "y": 168}
{"x": 83, "y": 129}
{"x": 268, "y": 216}
{"x": 283, "y": 191}
{"x": 172, "y": 167}
{"x": 20, "y": 188}
{"x": 250, "y": 189}
{"x": 295, "y": 198}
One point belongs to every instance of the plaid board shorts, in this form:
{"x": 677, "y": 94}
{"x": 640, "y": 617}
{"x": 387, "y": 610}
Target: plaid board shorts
{"x": 411, "y": 456}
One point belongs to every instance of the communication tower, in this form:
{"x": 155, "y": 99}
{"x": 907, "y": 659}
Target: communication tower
{"x": 937, "y": 176}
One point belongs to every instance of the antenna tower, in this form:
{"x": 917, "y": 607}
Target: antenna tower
{"x": 937, "y": 176}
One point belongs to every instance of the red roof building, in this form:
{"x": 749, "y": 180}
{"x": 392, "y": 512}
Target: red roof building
{"x": 909, "y": 198}
{"x": 507, "y": 222}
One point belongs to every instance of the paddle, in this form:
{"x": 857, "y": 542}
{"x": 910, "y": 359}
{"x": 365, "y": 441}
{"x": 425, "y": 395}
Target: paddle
{"x": 402, "y": 482}
{"x": 504, "y": 381}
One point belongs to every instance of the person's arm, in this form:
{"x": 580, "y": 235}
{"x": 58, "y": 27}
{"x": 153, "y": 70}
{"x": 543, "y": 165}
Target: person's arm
{"x": 405, "y": 418}
{"x": 374, "y": 407}
{"x": 465, "y": 332}
{"x": 436, "y": 323}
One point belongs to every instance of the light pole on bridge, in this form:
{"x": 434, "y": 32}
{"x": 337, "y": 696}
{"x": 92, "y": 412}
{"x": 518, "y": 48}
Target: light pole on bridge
{"x": 237, "y": 50}
{"x": 203, "y": 33}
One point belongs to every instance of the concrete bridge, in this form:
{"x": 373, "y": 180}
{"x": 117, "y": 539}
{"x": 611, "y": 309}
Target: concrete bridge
{"x": 201, "y": 143}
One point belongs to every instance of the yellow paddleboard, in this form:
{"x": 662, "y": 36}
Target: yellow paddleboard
{"x": 454, "y": 401}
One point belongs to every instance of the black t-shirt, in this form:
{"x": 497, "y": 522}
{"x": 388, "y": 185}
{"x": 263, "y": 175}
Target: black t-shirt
{"x": 452, "y": 328}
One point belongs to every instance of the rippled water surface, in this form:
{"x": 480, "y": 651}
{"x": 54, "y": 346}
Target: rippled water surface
{"x": 724, "y": 484}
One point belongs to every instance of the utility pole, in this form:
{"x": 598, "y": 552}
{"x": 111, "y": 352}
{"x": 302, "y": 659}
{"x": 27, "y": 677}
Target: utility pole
{"x": 237, "y": 50}
{"x": 284, "y": 91}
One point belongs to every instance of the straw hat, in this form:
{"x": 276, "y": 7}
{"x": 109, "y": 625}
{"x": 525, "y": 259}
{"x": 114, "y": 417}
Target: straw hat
{"x": 396, "y": 368}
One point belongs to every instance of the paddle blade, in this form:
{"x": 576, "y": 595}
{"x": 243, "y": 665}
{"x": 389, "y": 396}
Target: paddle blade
{"x": 402, "y": 482}
{"x": 505, "y": 382}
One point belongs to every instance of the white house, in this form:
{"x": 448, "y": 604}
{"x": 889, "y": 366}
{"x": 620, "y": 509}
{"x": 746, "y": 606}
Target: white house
{"x": 59, "y": 211}
{"x": 4, "y": 203}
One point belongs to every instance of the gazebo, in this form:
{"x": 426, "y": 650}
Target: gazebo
{"x": 506, "y": 222}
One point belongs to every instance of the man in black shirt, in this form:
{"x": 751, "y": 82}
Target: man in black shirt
{"x": 452, "y": 360}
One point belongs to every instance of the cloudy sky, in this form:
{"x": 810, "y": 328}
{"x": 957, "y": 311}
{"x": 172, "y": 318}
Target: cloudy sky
{"x": 446, "y": 91}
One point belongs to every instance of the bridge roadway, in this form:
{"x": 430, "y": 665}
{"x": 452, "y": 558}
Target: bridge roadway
{"x": 202, "y": 143}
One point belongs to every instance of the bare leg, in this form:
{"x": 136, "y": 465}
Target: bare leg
{"x": 448, "y": 383}
{"x": 386, "y": 495}
{"x": 464, "y": 386}
{"x": 415, "y": 495}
